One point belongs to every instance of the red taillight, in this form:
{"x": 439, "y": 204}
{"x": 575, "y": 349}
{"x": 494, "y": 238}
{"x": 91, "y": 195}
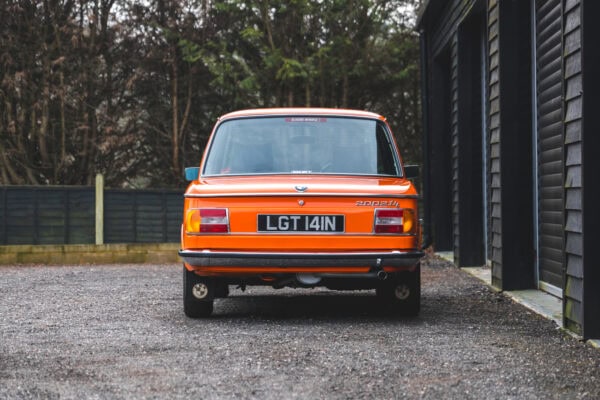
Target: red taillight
{"x": 388, "y": 221}
{"x": 214, "y": 220}
{"x": 207, "y": 220}
{"x": 394, "y": 221}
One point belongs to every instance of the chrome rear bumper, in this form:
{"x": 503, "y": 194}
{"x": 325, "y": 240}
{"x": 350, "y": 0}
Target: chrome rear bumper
{"x": 377, "y": 260}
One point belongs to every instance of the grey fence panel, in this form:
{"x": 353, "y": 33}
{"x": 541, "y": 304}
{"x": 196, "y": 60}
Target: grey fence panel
{"x": 142, "y": 216}
{"x": 46, "y": 215}
{"x": 81, "y": 206}
{"x": 20, "y": 220}
{"x": 52, "y": 219}
{"x": 119, "y": 217}
{"x": 174, "y": 216}
{"x": 151, "y": 218}
{"x": 66, "y": 215}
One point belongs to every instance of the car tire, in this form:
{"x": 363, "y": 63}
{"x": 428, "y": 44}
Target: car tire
{"x": 193, "y": 307}
{"x": 402, "y": 293}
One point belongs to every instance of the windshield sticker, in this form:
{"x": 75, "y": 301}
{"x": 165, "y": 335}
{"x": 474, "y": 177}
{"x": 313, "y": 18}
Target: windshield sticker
{"x": 305, "y": 119}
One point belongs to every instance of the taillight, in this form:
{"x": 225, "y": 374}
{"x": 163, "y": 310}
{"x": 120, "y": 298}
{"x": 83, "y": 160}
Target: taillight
{"x": 394, "y": 221}
{"x": 207, "y": 220}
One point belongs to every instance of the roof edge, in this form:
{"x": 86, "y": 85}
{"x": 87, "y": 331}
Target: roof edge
{"x": 429, "y": 9}
{"x": 255, "y": 112}
{"x": 421, "y": 14}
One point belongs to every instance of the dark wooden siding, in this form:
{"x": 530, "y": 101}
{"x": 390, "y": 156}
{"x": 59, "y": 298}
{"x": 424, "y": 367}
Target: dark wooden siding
{"x": 567, "y": 89}
{"x": 455, "y": 149}
{"x": 443, "y": 37}
{"x": 471, "y": 129}
{"x": 444, "y": 31}
{"x": 587, "y": 281}
{"x": 439, "y": 138}
{"x": 511, "y": 144}
{"x": 550, "y": 141}
{"x": 573, "y": 294}
{"x": 494, "y": 144}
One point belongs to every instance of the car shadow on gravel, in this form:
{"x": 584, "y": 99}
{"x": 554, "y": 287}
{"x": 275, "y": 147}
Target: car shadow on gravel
{"x": 322, "y": 306}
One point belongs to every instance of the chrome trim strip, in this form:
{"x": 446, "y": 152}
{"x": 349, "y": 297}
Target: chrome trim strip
{"x": 305, "y": 194}
{"x": 287, "y": 233}
{"x": 312, "y": 254}
{"x": 367, "y": 275}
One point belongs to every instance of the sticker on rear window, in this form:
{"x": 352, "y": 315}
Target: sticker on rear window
{"x": 305, "y": 119}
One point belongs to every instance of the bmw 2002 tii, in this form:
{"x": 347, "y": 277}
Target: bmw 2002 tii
{"x": 301, "y": 197}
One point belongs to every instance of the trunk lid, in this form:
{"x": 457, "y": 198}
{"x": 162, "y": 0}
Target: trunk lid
{"x": 302, "y": 213}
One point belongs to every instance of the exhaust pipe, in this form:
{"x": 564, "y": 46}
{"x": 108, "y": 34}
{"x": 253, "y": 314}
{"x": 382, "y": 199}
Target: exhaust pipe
{"x": 381, "y": 274}
{"x": 308, "y": 279}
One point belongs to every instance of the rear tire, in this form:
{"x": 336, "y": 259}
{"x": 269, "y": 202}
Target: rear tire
{"x": 192, "y": 306}
{"x": 402, "y": 293}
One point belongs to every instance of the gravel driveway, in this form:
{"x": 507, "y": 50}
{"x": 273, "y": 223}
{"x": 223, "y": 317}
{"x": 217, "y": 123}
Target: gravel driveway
{"x": 118, "y": 331}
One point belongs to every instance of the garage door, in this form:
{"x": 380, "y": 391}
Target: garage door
{"x": 550, "y": 143}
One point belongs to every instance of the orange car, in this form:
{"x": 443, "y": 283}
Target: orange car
{"x": 300, "y": 197}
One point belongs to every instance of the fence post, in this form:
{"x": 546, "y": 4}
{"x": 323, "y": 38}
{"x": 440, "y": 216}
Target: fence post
{"x": 99, "y": 209}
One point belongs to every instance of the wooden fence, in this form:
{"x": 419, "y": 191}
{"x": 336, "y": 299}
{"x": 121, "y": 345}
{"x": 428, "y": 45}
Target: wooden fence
{"x": 67, "y": 215}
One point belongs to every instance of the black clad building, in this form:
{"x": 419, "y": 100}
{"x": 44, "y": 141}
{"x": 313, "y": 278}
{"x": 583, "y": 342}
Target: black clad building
{"x": 511, "y": 108}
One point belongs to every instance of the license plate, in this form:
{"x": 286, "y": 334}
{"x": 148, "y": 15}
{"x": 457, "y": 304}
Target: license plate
{"x": 300, "y": 223}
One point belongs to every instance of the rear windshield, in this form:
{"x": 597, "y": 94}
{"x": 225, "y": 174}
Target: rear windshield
{"x": 301, "y": 145}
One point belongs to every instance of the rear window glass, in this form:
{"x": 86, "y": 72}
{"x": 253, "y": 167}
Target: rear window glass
{"x": 301, "y": 145}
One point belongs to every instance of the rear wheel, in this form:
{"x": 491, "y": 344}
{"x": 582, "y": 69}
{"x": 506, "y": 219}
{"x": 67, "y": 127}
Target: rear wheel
{"x": 402, "y": 293}
{"x": 197, "y": 295}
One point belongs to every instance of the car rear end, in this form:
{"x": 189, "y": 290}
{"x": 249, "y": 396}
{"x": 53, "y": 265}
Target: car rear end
{"x": 314, "y": 214}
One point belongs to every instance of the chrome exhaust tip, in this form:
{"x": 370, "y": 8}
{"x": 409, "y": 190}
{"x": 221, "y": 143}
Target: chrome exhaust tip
{"x": 308, "y": 279}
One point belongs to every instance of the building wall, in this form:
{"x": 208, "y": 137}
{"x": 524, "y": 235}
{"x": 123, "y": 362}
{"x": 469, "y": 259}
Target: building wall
{"x": 511, "y": 118}
{"x": 573, "y": 294}
{"x": 549, "y": 129}
{"x": 442, "y": 42}
{"x": 494, "y": 150}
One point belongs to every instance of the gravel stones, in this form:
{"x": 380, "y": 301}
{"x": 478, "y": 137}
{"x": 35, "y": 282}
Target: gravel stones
{"x": 118, "y": 331}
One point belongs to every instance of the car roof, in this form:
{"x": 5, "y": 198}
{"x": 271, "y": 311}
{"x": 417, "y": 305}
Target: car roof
{"x": 270, "y": 112}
